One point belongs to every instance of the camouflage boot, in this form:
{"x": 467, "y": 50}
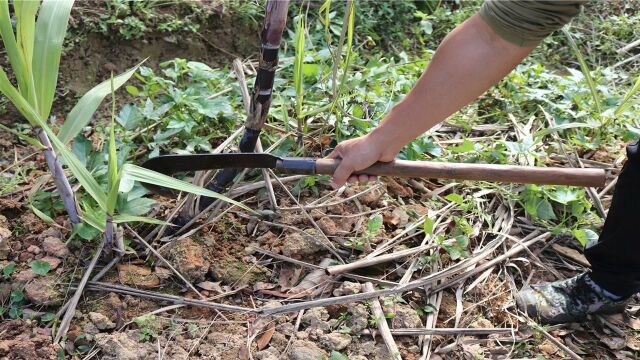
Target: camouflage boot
{"x": 566, "y": 301}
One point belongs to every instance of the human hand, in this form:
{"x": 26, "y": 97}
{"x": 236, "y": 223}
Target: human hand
{"x": 357, "y": 154}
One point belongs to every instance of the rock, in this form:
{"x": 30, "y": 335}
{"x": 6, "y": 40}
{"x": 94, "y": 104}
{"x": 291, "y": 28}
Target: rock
{"x": 189, "y": 258}
{"x": 53, "y": 262}
{"x": 34, "y": 249}
{"x": 316, "y": 318}
{"x": 297, "y": 244}
{"x": 124, "y": 346}
{"x": 5, "y": 292}
{"x": 90, "y": 330}
{"x": 327, "y": 226}
{"x": 336, "y": 341}
{"x": 267, "y": 354}
{"x": 305, "y": 350}
{"x": 370, "y": 199}
{"x": 55, "y": 247}
{"x": 101, "y": 322}
{"x": 5, "y": 247}
{"x": 397, "y": 217}
{"x": 396, "y": 189}
{"x": 404, "y": 316}
{"x": 25, "y": 256}
{"x": 43, "y": 292}
{"x": 231, "y": 271}
{"x": 359, "y": 319}
{"x": 347, "y": 288}
{"x": 139, "y": 276}
{"x": 481, "y": 323}
{"x": 24, "y": 276}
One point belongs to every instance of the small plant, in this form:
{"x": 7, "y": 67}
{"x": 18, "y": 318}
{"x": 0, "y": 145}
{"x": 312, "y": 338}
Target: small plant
{"x": 40, "y": 267}
{"x": 372, "y": 229}
{"x": 147, "y": 327}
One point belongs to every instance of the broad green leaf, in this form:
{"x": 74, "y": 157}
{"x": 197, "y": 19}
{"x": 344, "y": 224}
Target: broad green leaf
{"x": 86, "y": 231}
{"x": 584, "y": 236}
{"x": 47, "y": 317}
{"x": 136, "y": 207}
{"x": 136, "y": 173}
{"x": 16, "y": 296}
{"x": 51, "y": 29}
{"x": 374, "y": 225}
{"x": 129, "y": 117}
{"x": 298, "y": 80}
{"x": 466, "y": 146}
{"x": 122, "y": 218}
{"x": 544, "y": 210}
{"x": 81, "y": 114}
{"x": 337, "y": 356}
{"x": 8, "y": 269}
{"x": 456, "y": 198}
{"x": 40, "y": 267}
{"x": 564, "y": 195}
{"x": 462, "y": 241}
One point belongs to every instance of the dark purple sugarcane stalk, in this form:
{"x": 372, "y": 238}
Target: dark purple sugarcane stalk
{"x": 61, "y": 181}
{"x": 274, "y": 22}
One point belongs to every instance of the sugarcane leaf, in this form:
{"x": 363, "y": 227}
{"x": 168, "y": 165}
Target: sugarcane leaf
{"x": 11, "y": 46}
{"x": 121, "y": 218}
{"x": 625, "y": 104}
{"x": 25, "y": 12}
{"x": 136, "y": 173}
{"x": 50, "y": 30}
{"x": 81, "y": 114}
{"x": 585, "y": 70}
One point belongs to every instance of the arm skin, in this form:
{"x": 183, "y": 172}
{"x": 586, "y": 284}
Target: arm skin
{"x": 470, "y": 60}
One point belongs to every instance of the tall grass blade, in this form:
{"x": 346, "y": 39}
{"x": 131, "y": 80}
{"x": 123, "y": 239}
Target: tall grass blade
{"x": 585, "y": 71}
{"x": 625, "y": 103}
{"x": 298, "y": 77}
{"x": 136, "y": 173}
{"x": 324, "y": 15}
{"x": 113, "y": 174}
{"x": 25, "y": 12}
{"x": 121, "y": 218}
{"x": 50, "y": 30}
{"x": 81, "y": 114}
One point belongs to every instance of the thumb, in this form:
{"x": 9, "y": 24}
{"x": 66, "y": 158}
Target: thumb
{"x": 342, "y": 173}
{"x": 335, "y": 154}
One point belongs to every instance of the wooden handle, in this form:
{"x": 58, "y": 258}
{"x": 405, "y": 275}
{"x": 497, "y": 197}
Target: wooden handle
{"x": 485, "y": 172}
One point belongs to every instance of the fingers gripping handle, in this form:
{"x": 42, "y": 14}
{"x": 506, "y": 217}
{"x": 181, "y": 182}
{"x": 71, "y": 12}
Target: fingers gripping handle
{"x": 485, "y": 172}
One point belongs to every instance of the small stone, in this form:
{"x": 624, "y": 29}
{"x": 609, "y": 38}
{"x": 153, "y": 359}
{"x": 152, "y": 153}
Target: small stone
{"x": 190, "y": 259}
{"x": 336, "y": 341}
{"x": 359, "y": 318}
{"x": 404, "y": 316}
{"x": 296, "y": 244}
{"x": 43, "y": 292}
{"x": 53, "y": 262}
{"x": 25, "y": 256}
{"x": 396, "y": 189}
{"x": 55, "y": 247}
{"x": 24, "y": 276}
{"x": 316, "y": 318}
{"x": 90, "y": 329}
{"x": 285, "y": 328}
{"x": 347, "y": 288}
{"x": 305, "y": 350}
{"x": 101, "y": 322}
{"x": 5, "y": 248}
{"x": 5, "y": 292}
{"x": 139, "y": 276}
{"x": 327, "y": 226}
{"x": 34, "y": 249}
{"x": 481, "y": 323}
{"x": 267, "y": 354}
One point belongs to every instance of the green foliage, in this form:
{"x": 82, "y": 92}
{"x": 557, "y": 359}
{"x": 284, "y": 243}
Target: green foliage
{"x": 337, "y": 356}
{"x": 40, "y": 267}
{"x": 8, "y": 269}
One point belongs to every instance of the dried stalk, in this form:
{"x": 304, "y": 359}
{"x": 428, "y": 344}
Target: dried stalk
{"x": 340, "y": 269}
{"x": 61, "y": 181}
{"x": 73, "y": 303}
{"x": 447, "y": 331}
{"x": 382, "y": 324}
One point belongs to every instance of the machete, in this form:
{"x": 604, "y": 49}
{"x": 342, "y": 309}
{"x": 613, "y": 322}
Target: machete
{"x": 171, "y": 164}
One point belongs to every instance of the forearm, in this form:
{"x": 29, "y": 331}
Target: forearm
{"x": 470, "y": 60}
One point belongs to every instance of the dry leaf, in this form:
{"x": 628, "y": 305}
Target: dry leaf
{"x": 288, "y": 277}
{"x": 264, "y": 339}
{"x": 572, "y": 254}
{"x": 243, "y": 353}
{"x": 260, "y": 286}
{"x": 211, "y": 286}
{"x": 614, "y": 342}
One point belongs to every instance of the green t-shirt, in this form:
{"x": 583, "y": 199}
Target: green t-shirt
{"x": 527, "y": 22}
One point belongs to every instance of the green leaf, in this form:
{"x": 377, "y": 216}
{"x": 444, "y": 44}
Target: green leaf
{"x": 427, "y": 226}
{"x": 462, "y": 241}
{"x": 374, "y": 225}
{"x": 544, "y": 211}
{"x": 136, "y": 173}
{"x": 16, "y": 296}
{"x": 136, "y": 207}
{"x": 564, "y": 195}
{"x": 44, "y": 217}
{"x": 81, "y": 114}
{"x": 86, "y": 231}
{"x": 122, "y": 218}
{"x": 11, "y": 46}
{"x": 129, "y": 117}
{"x": 47, "y": 317}
{"x": 28, "y": 139}
{"x": 40, "y": 267}
{"x": 585, "y": 71}
{"x": 625, "y": 104}
{"x": 584, "y": 236}
{"x": 132, "y": 90}
{"x": 550, "y": 130}
{"x": 8, "y": 269}
{"x": 50, "y": 31}
{"x": 456, "y": 198}
{"x": 466, "y": 146}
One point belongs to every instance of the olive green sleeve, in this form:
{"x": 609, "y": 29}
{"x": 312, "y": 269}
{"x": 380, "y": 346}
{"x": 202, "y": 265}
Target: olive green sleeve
{"x": 527, "y": 22}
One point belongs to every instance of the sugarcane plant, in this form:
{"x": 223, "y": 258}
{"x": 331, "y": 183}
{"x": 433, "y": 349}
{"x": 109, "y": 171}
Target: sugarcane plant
{"x": 34, "y": 54}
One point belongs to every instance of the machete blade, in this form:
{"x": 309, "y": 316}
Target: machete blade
{"x": 171, "y": 164}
